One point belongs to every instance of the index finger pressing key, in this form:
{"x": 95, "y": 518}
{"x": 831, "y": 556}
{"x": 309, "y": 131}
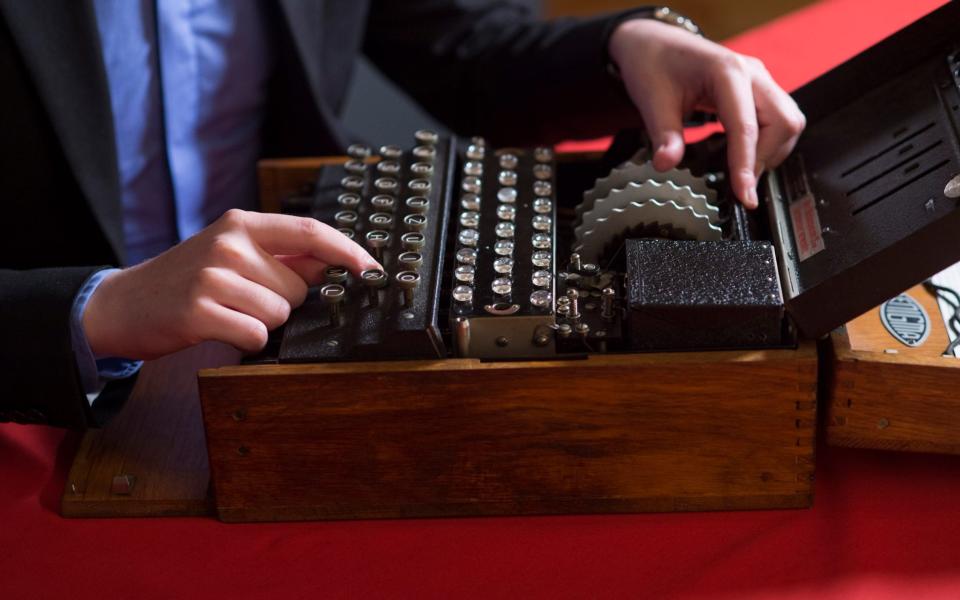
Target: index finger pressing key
{"x": 738, "y": 114}
{"x": 288, "y": 235}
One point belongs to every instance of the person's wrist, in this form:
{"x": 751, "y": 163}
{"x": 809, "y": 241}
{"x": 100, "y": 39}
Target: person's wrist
{"x": 646, "y": 25}
{"x": 97, "y": 323}
{"x": 628, "y": 35}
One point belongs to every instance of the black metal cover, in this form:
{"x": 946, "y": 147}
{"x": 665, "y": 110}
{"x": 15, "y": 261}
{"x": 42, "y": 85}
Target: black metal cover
{"x": 696, "y": 295}
{"x": 859, "y": 211}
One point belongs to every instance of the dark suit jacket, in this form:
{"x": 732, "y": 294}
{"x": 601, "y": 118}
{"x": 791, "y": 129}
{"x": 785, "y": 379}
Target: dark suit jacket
{"x": 491, "y": 70}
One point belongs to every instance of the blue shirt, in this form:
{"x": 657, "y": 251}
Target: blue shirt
{"x": 188, "y": 81}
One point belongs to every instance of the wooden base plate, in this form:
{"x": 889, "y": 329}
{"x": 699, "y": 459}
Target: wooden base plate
{"x": 151, "y": 459}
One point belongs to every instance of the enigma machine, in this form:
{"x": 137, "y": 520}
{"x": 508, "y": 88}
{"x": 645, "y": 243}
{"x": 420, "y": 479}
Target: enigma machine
{"x": 557, "y": 333}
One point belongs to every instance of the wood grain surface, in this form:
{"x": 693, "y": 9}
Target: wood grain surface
{"x": 886, "y": 395}
{"x": 156, "y": 443}
{"x": 653, "y": 432}
{"x": 283, "y": 177}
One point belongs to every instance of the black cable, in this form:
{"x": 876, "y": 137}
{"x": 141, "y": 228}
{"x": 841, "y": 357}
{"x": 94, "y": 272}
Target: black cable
{"x": 944, "y": 293}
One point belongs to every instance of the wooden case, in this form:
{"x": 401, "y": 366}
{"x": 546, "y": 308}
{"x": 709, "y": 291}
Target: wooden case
{"x": 614, "y": 433}
{"x": 653, "y": 432}
{"x": 886, "y": 395}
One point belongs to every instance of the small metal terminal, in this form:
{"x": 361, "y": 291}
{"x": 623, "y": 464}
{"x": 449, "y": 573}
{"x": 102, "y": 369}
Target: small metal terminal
{"x": 583, "y": 330}
{"x": 359, "y": 151}
{"x": 564, "y": 330}
{"x": 507, "y": 178}
{"x": 412, "y": 240}
{"x": 462, "y": 333}
{"x": 541, "y": 336}
{"x": 574, "y": 296}
{"x": 377, "y": 240}
{"x": 375, "y": 280}
{"x": 333, "y": 294}
{"x": 608, "y": 298}
{"x": 410, "y": 261}
{"x": 415, "y": 222}
{"x": 426, "y": 137}
{"x": 542, "y": 188}
{"x": 575, "y": 263}
{"x": 381, "y": 220}
{"x": 408, "y": 280}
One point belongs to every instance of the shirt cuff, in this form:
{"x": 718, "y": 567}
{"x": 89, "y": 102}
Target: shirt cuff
{"x": 94, "y": 372}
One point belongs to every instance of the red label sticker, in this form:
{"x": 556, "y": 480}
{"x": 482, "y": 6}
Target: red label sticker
{"x": 806, "y": 227}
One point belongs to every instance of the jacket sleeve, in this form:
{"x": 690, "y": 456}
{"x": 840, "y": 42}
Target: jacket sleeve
{"x": 496, "y": 70}
{"x": 41, "y": 381}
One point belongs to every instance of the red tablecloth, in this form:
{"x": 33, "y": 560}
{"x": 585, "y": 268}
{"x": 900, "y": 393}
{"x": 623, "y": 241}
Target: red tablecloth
{"x": 885, "y": 525}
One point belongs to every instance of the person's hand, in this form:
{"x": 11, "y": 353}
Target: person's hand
{"x": 233, "y": 282}
{"x": 669, "y": 73}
